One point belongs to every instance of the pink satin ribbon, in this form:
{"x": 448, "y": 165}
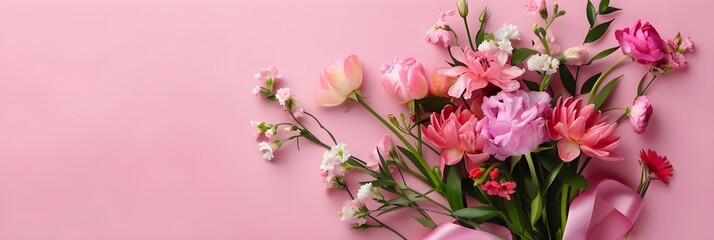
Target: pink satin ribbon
{"x": 603, "y": 213}
{"x": 452, "y": 231}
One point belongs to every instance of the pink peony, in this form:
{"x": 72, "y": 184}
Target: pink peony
{"x": 385, "y": 148}
{"x": 514, "y": 123}
{"x": 439, "y": 84}
{"x": 404, "y": 80}
{"x": 481, "y": 68}
{"x": 339, "y": 81}
{"x": 640, "y": 114}
{"x": 454, "y": 132}
{"x": 642, "y": 43}
{"x": 579, "y": 128}
{"x": 535, "y": 6}
{"x": 441, "y": 33}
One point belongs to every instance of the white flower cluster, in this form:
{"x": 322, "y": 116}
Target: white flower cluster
{"x": 503, "y": 37}
{"x": 543, "y": 63}
{"x": 332, "y": 164}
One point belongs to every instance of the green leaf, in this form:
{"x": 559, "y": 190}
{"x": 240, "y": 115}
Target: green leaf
{"x": 610, "y": 10}
{"x": 399, "y": 201}
{"x": 567, "y": 79}
{"x": 409, "y": 155}
{"x": 420, "y": 122}
{"x": 536, "y": 208}
{"x": 605, "y": 92}
{"x": 427, "y": 223}
{"x": 382, "y": 183}
{"x": 453, "y": 188}
{"x": 521, "y": 54}
{"x": 551, "y": 176}
{"x": 434, "y": 104}
{"x": 603, "y": 54}
{"x": 478, "y": 214}
{"x": 588, "y": 85}
{"x": 597, "y": 32}
{"x": 591, "y": 13}
{"x": 391, "y": 210}
{"x": 568, "y": 176}
{"x": 604, "y": 4}
{"x": 532, "y": 86}
{"x": 514, "y": 215}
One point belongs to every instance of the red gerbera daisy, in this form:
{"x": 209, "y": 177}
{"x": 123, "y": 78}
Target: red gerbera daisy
{"x": 658, "y": 166}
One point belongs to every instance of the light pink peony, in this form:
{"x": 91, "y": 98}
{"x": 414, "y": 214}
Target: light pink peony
{"x": 440, "y": 33}
{"x": 579, "y": 128}
{"x": 642, "y": 43}
{"x": 404, "y": 80}
{"x": 514, "y": 123}
{"x": 439, "y": 84}
{"x": 339, "y": 81}
{"x": 454, "y": 132}
{"x": 481, "y": 68}
{"x": 385, "y": 147}
{"x": 640, "y": 114}
{"x": 535, "y": 6}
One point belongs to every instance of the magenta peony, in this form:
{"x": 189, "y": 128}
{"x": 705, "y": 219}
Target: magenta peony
{"x": 640, "y": 114}
{"x": 514, "y": 123}
{"x": 642, "y": 43}
{"x": 579, "y": 128}
{"x": 481, "y": 68}
{"x": 453, "y": 130}
{"x": 404, "y": 80}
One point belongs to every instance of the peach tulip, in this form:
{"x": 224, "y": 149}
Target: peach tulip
{"x": 339, "y": 81}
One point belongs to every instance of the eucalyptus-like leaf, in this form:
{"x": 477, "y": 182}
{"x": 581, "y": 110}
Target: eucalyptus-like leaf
{"x": 598, "y": 31}
{"x": 588, "y": 85}
{"x": 605, "y": 92}
{"x": 591, "y": 13}
{"x": 603, "y": 54}
{"x": 610, "y": 10}
{"x": 567, "y": 79}
{"x": 604, "y": 4}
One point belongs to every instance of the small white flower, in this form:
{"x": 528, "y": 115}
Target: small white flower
{"x": 354, "y": 212}
{"x": 507, "y": 31}
{"x": 364, "y": 191}
{"x": 283, "y": 95}
{"x": 268, "y": 149}
{"x": 487, "y": 45}
{"x": 296, "y": 108}
{"x": 505, "y": 45}
{"x": 271, "y": 132}
{"x": 256, "y": 91}
{"x": 256, "y": 128}
{"x": 543, "y": 63}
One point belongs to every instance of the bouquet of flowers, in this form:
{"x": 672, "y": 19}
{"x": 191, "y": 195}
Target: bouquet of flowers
{"x": 511, "y": 152}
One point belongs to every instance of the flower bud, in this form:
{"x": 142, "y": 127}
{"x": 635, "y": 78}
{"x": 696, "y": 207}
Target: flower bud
{"x": 576, "y": 56}
{"x": 463, "y": 7}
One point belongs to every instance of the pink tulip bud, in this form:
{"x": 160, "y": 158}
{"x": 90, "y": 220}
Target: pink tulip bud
{"x": 404, "y": 80}
{"x": 640, "y": 114}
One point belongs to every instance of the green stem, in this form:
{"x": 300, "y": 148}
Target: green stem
{"x": 468, "y": 33}
{"x": 585, "y": 164}
{"x": 529, "y": 159}
{"x": 323, "y": 127}
{"x": 434, "y": 180}
{"x": 564, "y": 206}
{"x": 603, "y": 75}
{"x": 375, "y": 219}
{"x": 648, "y": 86}
{"x": 544, "y": 82}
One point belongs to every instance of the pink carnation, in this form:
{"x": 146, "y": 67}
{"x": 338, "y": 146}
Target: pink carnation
{"x": 441, "y": 33}
{"x": 482, "y": 68}
{"x": 514, "y": 123}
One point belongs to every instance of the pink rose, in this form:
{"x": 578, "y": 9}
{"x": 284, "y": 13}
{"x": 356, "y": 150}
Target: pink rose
{"x": 514, "y": 123}
{"x": 642, "y": 43}
{"x": 404, "y": 80}
{"x": 535, "y": 6}
{"x": 640, "y": 114}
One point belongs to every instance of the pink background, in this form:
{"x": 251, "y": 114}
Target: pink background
{"x": 129, "y": 119}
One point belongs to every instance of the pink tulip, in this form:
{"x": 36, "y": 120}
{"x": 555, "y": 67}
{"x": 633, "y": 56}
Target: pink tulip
{"x": 454, "y": 132}
{"x": 439, "y": 84}
{"x": 404, "y": 80}
{"x": 579, "y": 128}
{"x": 481, "y": 68}
{"x": 642, "y": 43}
{"x": 339, "y": 81}
{"x": 640, "y": 114}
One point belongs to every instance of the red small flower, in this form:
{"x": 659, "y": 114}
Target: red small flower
{"x": 658, "y": 166}
{"x": 476, "y": 173}
{"x": 494, "y": 174}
